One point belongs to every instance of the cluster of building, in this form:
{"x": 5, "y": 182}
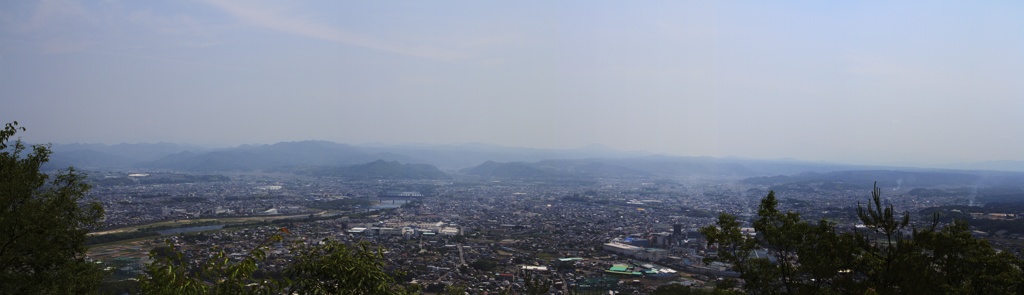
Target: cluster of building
{"x": 487, "y": 235}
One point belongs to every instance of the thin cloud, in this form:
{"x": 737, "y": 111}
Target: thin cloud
{"x": 269, "y": 19}
{"x": 48, "y": 27}
{"x": 58, "y": 46}
{"x": 178, "y": 30}
{"x": 49, "y": 13}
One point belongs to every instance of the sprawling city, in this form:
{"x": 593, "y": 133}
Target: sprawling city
{"x": 489, "y": 234}
{"x": 511, "y": 147}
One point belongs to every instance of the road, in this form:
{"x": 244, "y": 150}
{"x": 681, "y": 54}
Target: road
{"x": 462, "y": 257}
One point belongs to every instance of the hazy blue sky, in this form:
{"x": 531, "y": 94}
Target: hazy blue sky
{"x": 897, "y": 82}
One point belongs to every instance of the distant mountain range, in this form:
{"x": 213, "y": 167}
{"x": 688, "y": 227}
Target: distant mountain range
{"x": 553, "y": 169}
{"x": 647, "y": 166}
{"x": 379, "y": 169}
{"x": 168, "y": 156}
{"x": 118, "y": 156}
{"x": 865, "y": 179}
{"x": 432, "y": 161}
{"x": 990, "y": 165}
{"x": 270, "y": 157}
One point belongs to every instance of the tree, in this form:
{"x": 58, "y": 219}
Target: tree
{"x": 329, "y": 267}
{"x": 677, "y": 289}
{"x": 484, "y": 264}
{"x": 43, "y": 223}
{"x": 886, "y": 261}
{"x": 827, "y": 259}
{"x": 969, "y": 265}
{"x": 171, "y": 273}
{"x": 892, "y": 258}
{"x": 335, "y": 268}
{"x": 455, "y": 289}
{"x": 733, "y": 246}
{"x": 781, "y": 235}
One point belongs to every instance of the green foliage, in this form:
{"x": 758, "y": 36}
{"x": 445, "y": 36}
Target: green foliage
{"x": 43, "y": 224}
{"x": 970, "y": 265}
{"x": 676, "y": 289}
{"x": 455, "y": 290}
{"x": 733, "y": 246}
{"x": 171, "y": 273}
{"x": 329, "y": 267}
{"x": 335, "y": 268}
{"x": 120, "y": 287}
{"x": 484, "y": 265}
{"x": 781, "y": 234}
{"x": 892, "y": 258}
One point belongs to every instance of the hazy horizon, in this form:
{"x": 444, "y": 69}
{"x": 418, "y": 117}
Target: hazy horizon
{"x": 916, "y": 83}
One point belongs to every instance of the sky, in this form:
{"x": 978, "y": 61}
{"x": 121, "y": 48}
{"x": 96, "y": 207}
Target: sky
{"x": 870, "y": 82}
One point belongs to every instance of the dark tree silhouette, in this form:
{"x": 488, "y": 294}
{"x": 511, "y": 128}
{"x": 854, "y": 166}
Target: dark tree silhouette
{"x": 43, "y": 223}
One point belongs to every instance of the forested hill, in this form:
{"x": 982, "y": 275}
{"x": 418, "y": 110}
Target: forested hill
{"x": 863, "y": 179}
{"x": 380, "y": 169}
{"x": 270, "y": 157}
{"x": 593, "y": 162}
{"x": 553, "y": 169}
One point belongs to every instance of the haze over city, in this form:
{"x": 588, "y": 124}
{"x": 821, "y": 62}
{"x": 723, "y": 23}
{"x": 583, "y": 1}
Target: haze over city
{"x": 919, "y": 83}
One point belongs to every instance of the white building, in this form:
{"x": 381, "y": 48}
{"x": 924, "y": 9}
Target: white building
{"x": 620, "y": 248}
